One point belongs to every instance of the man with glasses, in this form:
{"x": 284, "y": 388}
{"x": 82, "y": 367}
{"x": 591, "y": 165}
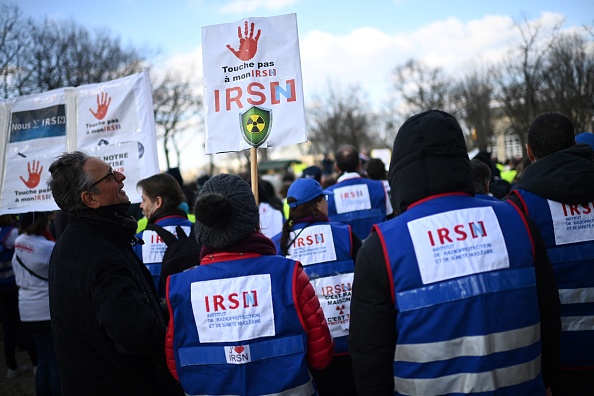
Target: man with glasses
{"x": 108, "y": 328}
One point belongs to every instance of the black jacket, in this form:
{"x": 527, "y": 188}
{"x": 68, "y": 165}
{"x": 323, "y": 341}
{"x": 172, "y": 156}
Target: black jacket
{"x": 565, "y": 176}
{"x": 108, "y": 329}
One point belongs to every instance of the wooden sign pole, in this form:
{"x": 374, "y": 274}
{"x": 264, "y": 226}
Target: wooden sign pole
{"x": 254, "y": 172}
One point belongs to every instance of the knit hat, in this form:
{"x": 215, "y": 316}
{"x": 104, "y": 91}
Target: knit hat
{"x": 304, "y": 190}
{"x": 226, "y": 211}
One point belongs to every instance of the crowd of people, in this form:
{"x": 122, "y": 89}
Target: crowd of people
{"x": 435, "y": 277}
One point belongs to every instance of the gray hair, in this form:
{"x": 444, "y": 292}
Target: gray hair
{"x": 68, "y": 180}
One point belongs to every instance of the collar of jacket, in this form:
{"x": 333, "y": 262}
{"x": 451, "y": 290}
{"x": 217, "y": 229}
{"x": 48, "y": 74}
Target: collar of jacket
{"x": 226, "y": 256}
{"x": 115, "y": 219}
{"x": 159, "y": 215}
{"x": 256, "y": 243}
{"x": 564, "y": 176}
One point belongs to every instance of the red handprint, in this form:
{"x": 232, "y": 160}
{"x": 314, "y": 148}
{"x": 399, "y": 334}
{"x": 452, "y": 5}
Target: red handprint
{"x": 248, "y": 46}
{"x": 102, "y": 106}
{"x": 34, "y": 176}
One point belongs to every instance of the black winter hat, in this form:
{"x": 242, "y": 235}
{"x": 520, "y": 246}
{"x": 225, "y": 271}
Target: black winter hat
{"x": 429, "y": 157}
{"x": 226, "y": 211}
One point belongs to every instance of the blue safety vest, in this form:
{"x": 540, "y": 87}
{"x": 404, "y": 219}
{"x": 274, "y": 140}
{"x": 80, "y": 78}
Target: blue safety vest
{"x": 325, "y": 251}
{"x": 151, "y": 253}
{"x": 359, "y": 202}
{"x": 569, "y": 238}
{"x": 237, "y": 331}
{"x": 465, "y": 292}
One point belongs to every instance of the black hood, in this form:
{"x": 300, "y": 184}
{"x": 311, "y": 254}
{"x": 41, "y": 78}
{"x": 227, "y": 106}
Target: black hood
{"x": 429, "y": 157}
{"x": 565, "y": 176}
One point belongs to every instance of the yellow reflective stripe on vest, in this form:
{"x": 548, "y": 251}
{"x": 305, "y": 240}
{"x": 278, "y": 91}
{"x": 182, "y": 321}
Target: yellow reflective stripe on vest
{"x": 468, "y": 346}
{"x": 576, "y": 296}
{"x": 469, "y": 382}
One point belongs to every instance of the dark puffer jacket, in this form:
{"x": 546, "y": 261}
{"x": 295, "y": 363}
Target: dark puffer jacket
{"x": 108, "y": 329}
{"x": 565, "y": 176}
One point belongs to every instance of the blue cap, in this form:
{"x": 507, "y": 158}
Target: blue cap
{"x": 585, "y": 137}
{"x": 304, "y": 190}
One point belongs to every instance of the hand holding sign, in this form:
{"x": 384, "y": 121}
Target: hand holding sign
{"x": 34, "y": 175}
{"x": 248, "y": 46}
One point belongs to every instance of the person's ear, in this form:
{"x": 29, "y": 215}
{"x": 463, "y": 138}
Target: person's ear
{"x": 529, "y": 153}
{"x": 88, "y": 199}
{"x": 158, "y": 202}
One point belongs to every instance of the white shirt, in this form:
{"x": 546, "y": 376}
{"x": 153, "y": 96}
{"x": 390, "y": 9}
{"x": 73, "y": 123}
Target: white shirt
{"x": 271, "y": 220}
{"x": 34, "y": 251}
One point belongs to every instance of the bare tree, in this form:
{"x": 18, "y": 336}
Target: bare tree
{"x": 37, "y": 57}
{"x": 341, "y": 117}
{"x": 473, "y": 95}
{"x": 13, "y": 45}
{"x": 569, "y": 80}
{"x": 66, "y": 54}
{"x": 175, "y": 105}
{"x": 41, "y": 56}
{"x": 419, "y": 87}
{"x": 522, "y": 75}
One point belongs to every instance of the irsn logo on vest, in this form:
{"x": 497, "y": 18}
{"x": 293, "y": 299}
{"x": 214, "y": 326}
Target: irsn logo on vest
{"x": 461, "y": 231}
{"x": 244, "y": 299}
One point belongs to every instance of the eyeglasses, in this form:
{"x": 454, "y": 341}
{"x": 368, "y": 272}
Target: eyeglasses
{"x": 103, "y": 178}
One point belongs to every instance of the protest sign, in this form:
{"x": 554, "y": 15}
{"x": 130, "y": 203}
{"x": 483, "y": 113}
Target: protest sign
{"x": 112, "y": 120}
{"x": 253, "y": 90}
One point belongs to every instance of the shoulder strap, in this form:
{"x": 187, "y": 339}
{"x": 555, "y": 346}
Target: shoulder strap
{"x": 165, "y": 235}
{"x": 180, "y": 233}
{"x": 30, "y": 270}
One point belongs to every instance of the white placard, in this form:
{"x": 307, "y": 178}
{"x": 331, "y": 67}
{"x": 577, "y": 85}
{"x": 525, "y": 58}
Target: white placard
{"x": 334, "y": 293}
{"x": 115, "y": 122}
{"x": 112, "y": 120}
{"x": 253, "y": 62}
{"x": 36, "y": 135}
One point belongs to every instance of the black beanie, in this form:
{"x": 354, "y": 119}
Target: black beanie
{"x": 429, "y": 158}
{"x": 226, "y": 211}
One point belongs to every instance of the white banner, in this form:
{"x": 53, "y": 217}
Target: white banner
{"x": 253, "y": 87}
{"x": 113, "y": 121}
